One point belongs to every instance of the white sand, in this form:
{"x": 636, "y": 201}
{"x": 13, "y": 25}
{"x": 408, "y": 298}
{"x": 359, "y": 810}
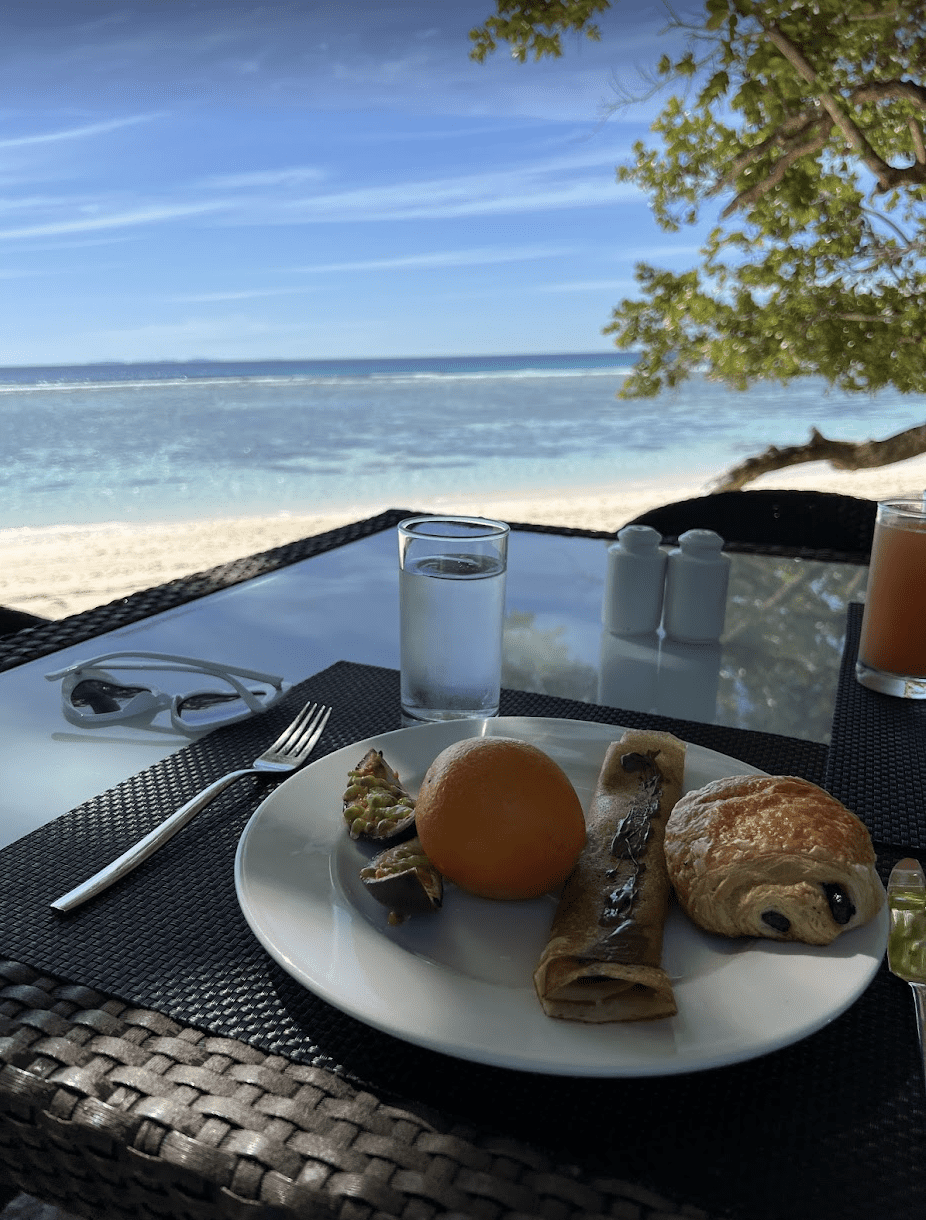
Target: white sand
{"x": 54, "y": 571}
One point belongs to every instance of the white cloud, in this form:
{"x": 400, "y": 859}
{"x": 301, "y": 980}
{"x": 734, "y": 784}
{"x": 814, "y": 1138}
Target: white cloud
{"x": 589, "y": 286}
{"x": 87, "y": 131}
{"x": 581, "y": 179}
{"x": 485, "y": 256}
{"x": 436, "y": 260}
{"x": 242, "y": 294}
{"x": 265, "y": 178}
{"x": 154, "y": 214}
{"x": 554, "y": 184}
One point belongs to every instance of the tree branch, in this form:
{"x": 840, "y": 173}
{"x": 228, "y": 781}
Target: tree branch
{"x": 876, "y": 91}
{"x": 918, "y": 146}
{"x": 775, "y": 175}
{"x": 797, "y": 126}
{"x": 842, "y": 455}
{"x": 888, "y": 176}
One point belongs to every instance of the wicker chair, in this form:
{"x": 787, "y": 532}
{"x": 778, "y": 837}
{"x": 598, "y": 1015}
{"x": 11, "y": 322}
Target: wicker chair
{"x": 12, "y": 621}
{"x": 807, "y": 524}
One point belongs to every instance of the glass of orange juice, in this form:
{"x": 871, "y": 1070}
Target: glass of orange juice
{"x": 892, "y": 650}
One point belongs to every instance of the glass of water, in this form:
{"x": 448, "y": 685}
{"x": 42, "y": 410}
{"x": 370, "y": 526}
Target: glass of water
{"x": 452, "y": 609}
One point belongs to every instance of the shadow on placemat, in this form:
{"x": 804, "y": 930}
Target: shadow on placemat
{"x": 783, "y": 1135}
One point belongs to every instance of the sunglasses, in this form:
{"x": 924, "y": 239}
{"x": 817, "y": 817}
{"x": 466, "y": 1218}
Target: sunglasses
{"x": 91, "y": 695}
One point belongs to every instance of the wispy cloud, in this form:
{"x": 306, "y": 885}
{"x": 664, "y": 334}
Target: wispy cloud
{"x": 484, "y": 256}
{"x": 234, "y": 294}
{"x": 585, "y": 179}
{"x": 84, "y": 132}
{"x": 622, "y": 285}
{"x": 581, "y": 179}
{"x": 154, "y": 214}
{"x": 265, "y": 178}
{"x": 453, "y": 198}
{"x": 435, "y": 260}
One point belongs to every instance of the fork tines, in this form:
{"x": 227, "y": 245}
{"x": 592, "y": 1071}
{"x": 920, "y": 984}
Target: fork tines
{"x": 299, "y": 736}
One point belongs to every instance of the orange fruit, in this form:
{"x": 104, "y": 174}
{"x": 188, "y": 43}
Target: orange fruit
{"x": 499, "y": 818}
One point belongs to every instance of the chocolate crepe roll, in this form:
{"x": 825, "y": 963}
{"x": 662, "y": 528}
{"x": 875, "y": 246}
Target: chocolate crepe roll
{"x": 603, "y": 959}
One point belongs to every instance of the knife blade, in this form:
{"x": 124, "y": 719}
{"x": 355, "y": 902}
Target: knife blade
{"x": 906, "y": 942}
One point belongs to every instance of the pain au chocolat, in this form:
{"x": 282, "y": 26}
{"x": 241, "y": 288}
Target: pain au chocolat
{"x": 773, "y": 856}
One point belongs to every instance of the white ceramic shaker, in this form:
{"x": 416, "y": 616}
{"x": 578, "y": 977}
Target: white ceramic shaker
{"x": 635, "y": 581}
{"x": 697, "y": 576}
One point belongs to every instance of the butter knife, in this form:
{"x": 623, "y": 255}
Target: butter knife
{"x": 906, "y": 942}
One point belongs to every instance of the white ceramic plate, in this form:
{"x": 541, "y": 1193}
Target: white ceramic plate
{"x": 460, "y": 981}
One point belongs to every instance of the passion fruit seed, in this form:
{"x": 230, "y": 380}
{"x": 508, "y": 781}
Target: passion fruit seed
{"x": 398, "y": 864}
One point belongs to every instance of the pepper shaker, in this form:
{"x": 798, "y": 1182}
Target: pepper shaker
{"x": 697, "y": 576}
{"x": 635, "y": 582}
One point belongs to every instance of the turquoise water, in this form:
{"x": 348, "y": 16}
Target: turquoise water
{"x": 173, "y": 441}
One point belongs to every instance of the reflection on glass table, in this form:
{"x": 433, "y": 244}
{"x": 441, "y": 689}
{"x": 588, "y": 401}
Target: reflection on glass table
{"x": 774, "y": 669}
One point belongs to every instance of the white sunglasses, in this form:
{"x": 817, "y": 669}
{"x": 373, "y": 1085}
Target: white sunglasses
{"x": 90, "y": 695}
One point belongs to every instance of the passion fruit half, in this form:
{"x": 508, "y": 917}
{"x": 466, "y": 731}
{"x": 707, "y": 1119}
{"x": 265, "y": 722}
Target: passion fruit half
{"x": 376, "y": 805}
{"x": 404, "y": 879}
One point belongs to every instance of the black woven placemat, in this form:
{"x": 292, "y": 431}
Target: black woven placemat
{"x": 785, "y": 1134}
{"x": 877, "y": 761}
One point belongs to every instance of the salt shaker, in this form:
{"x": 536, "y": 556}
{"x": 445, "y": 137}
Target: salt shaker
{"x": 635, "y": 581}
{"x": 697, "y": 575}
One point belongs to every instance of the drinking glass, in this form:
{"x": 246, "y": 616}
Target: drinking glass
{"x": 892, "y": 650}
{"x": 452, "y": 607}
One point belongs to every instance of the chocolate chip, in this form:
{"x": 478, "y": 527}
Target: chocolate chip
{"x": 841, "y": 904}
{"x": 777, "y": 921}
{"x": 635, "y": 762}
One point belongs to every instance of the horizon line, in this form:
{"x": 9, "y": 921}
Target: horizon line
{"x": 180, "y": 361}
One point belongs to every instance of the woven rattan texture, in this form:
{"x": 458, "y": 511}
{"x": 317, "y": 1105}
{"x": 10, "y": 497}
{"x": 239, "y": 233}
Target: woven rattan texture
{"x": 782, "y": 1135}
{"x": 802, "y": 524}
{"x": 122, "y": 1112}
{"x": 877, "y": 763}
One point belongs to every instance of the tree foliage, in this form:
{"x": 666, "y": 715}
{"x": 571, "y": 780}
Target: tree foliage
{"x": 535, "y": 25}
{"x": 795, "y": 128}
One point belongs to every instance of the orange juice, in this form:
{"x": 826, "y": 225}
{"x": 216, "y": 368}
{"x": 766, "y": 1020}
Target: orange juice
{"x": 894, "y": 624}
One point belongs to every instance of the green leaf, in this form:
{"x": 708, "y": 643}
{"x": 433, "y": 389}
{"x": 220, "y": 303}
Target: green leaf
{"x": 809, "y": 267}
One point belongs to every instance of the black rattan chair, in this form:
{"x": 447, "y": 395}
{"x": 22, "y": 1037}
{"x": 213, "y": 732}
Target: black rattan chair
{"x": 809, "y": 524}
{"x": 17, "y": 620}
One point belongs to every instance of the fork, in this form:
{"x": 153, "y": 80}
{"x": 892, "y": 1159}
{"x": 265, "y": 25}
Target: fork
{"x": 288, "y": 752}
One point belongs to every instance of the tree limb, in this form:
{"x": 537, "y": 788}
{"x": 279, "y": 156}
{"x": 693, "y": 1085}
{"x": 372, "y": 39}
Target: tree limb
{"x": 775, "y": 174}
{"x": 918, "y": 145}
{"x": 842, "y": 455}
{"x": 796, "y": 127}
{"x": 876, "y": 91}
{"x": 888, "y": 176}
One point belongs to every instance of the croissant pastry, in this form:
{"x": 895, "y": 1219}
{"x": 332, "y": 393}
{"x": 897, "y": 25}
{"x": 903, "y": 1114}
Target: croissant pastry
{"x": 772, "y": 856}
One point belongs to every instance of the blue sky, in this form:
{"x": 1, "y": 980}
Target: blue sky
{"x": 223, "y": 179}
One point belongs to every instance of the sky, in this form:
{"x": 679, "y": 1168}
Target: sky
{"x": 233, "y": 180}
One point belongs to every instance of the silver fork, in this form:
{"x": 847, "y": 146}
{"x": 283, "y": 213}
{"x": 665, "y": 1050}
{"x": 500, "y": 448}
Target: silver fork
{"x": 288, "y": 752}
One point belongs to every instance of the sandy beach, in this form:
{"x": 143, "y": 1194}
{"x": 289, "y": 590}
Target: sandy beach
{"x": 54, "y": 571}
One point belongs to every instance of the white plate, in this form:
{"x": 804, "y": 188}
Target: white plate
{"x": 460, "y": 981}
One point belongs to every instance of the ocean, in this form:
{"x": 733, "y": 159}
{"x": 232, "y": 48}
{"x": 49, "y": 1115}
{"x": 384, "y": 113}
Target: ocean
{"x": 184, "y": 441}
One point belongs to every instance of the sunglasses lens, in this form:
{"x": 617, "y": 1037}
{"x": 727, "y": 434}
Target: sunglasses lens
{"x": 205, "y": 708}
{"x": 100, "y": 696}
